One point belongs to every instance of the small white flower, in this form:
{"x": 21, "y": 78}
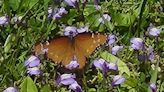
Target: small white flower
{"x": 105, "y": 17}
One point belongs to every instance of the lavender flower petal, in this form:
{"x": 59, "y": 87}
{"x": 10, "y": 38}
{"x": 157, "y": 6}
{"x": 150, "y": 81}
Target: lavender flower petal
{"x": 82, "y": 29}
{"x": 70, "y": 31}
{"x": 3, "y": 20}
{"x": 98, "y": 63}
{"x": 137, "y": 43}
{"x": 62, "y": 11}
{"x": 71, "y": 2}
{"x": 115, "y": 49}
{"x": 33, "y": 71}
{"x": 102, "y": 65}
{"x": 11, "y": 89}
{"x": 118, "y": 79}
{"x": 113, "y": 66}
{"x": 75, "y": 87}
{"x": 72, "y": 65}
{"x": 56, "y": 13}
{"x": 66, "y": 79}
{"x": 153, "y": 87}
{"x": 106, "y": 17}
{"x": 33, "y": 61}
{"x": 111, "y": 39}
{"x": 154, "y": 31}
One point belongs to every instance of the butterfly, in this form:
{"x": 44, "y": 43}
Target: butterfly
{"x": 64, "y": 49}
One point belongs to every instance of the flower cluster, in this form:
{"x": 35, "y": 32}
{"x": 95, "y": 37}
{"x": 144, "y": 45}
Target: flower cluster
{"x": 139, "y": 44}
{"x": 32, "y": 64}
{"x": 105, "y": 67}
{"x": 111, "y": 40}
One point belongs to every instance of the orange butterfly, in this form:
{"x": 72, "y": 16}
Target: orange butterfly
{"x": 64, "y": 49}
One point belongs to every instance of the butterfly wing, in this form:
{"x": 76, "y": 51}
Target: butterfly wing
{"x": 59, "y": 50}
{"x": 88, "y": 42}
{"x": 85, "y": 44}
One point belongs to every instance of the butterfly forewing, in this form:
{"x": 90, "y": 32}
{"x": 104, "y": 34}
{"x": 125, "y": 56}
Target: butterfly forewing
{"x": 57, "y": 48}
{"x": 89, "y": 42}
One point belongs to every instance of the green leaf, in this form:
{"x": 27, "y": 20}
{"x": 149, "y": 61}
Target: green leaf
{"x": 122, "y": 67}
{"x": 28, "y": 85}
{"x": 92, "y": 90}
{"x": 46, "y": 88}
{"x": 14, "y": 4}
{"x": 122, "y": 19}
{"x": 8, "y": 42}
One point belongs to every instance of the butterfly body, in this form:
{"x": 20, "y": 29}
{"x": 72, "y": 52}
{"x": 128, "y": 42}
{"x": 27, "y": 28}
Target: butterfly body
{"x": 64, "y": 49}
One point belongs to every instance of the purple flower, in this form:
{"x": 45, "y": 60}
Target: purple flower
{"x": 82, "y": 29}
{"x": 3, "y": 20}
{"x": 96, "y": 2}
{"x": 154, "y": 31}
{"x": 112, "y": 66}
{"x": 115, "y": 49}
{"x": 71, "y": 2}
{"x": 137, "y": 43}
{"x": 33, "y": 61}
{"x": 75, "y": 87}
{"x": 70, "y": 31}
{"x": 111, "y": 39}
{"x": 153, "y": 87}
{"x": 62, "y": 11}
{"x": 11, "y": 89}
{"x": 104, "y": 66}
{"x": 66, "y": 79}
{"x": 56, "y": 13}
{"x": 105, "y": 17}
{"x": 72, "y": 65}
{"x": 150, "y": 53}
{"x": 118, "y": 79}
{"x": 101, "y": 64}
{"x": 97, "y": 7}
{"x": 33, "y": 71}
